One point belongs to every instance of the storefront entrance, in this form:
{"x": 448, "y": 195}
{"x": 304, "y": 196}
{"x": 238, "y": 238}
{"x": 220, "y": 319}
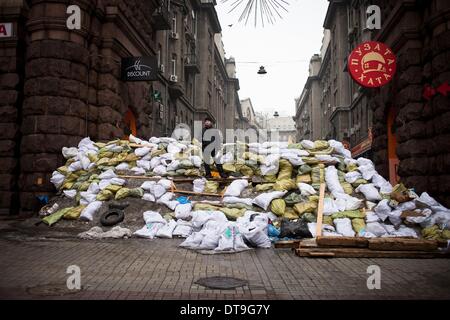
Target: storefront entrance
{"x": 393, "y": 160}
{"x": 129, "y": 124}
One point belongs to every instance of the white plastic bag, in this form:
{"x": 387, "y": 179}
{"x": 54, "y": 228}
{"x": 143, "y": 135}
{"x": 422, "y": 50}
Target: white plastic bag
{"x": 376, "y": 228}
{"x": 236, "y": 187}
{"x": 383, "y": 209}
{"x": 306, "y": 189}
{"x": 257, "y": 236}
{"x": 92, "y": 208}
{"x": 352, "y": 176}
{"x": 344, "y": 227}
{"x": 183, "y": 211}
{"x": 369, "y": 191}
{"x": 69, "y": 152}
{"x": 199, "y": 185}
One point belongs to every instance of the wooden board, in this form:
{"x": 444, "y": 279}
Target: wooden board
{"x": 393, "y": 244}
{"x": 206, "y": 194}
{"x": 287, "y": 244}
{"x": 320, "y": 210}
{"x": 351, "y": 242}
{"x": 366, "y": 253}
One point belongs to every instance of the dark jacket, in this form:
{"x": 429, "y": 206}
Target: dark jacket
{"x": 214, "y": 137}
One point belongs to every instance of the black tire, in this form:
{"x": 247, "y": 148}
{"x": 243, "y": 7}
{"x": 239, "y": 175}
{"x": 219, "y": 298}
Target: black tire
{"x": 112, "y": 217}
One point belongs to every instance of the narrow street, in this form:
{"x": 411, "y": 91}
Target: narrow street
{"x": 34, "y": 267}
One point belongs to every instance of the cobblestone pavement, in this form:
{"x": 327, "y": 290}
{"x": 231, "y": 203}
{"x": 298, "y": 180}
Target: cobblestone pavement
{"x": 158, "y": 269}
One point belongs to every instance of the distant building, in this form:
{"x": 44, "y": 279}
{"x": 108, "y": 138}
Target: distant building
{"x": 281, "y": 129}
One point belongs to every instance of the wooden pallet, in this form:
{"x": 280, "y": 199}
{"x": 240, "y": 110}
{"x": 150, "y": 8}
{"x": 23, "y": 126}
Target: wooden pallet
{"x": 287, "y": 244}
{"x": 366, "y": 253}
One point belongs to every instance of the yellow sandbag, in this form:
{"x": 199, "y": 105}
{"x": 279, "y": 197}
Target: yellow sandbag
{"x": 205, "y": 207}
{"x": 105, "y": 154}
{"x": 211, "y": 187}
{"x": 131, "y": 157}
{"x": 317, "y": 152}
{"x": 113, "y": 188}
{"x": 104, "y": 195}
{"x": 74, "y": 213}
{"x": 55, "y": 217}
{"x": 285, "y": 171}
{"x": 304, "y": 178}
{"x": 67, "y": 185}
{"x": 358, "y": 224}
{"x": 313, "y": 198}
{"x": 99, "y": 144}
{"x": 303, "y": 207}
{"x": 233, "y": 213}
{"x": 327, "y": 220}
{"x": 321, "y": 144}
{"x": 229, "y": 167}
{"x": 278, "y": 207}
{"x": 348, "y": 189}
{"x": 245, "y": 170}
{"x": 290, "y": 214}
{"x": 351, "y": 214}
{"x": 270, "y": 178}
{"x": 92, "y": 157}
{"x": 318, "y": 175}
{"x": 102, "y": 162}
{"x": 359, "y": 182}
{"x": 125, "y": 192}
{"x": 264, "y": 187}
{"x": 84, "y": 186}
{"x": 285, "y": 185}
{"x": 351, "y": 167}
{"x": 192, "y": 172}
{"x": 63, "y": 170}
{"x": 158, "y": 152}
{"x": 295, "y": 146}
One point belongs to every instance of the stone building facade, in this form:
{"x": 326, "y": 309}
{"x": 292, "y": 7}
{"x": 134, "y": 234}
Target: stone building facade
{"x": 59, "y": 85}
{"x": 403, "y": 126}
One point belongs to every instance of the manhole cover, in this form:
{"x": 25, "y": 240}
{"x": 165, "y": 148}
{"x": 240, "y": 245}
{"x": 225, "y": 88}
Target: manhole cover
{"x": 48, "y": 290}
{"x": 224, "y": 283}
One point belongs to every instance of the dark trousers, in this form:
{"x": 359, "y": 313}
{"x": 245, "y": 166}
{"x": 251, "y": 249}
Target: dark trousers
{"x": 207, "y": 161}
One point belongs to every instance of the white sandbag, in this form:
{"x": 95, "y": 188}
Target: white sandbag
{"x": 153, "y": 216}
{"x": 307, "y": 144}
{"x": 425, "y": 200}
{"x": 231, "y": 239}
{"x": 332, "y": 181}
{"x": 69, "y": 152}
{"x": 257, "y": 236}
{"x": 94, "y": 188}
{"x": 155, "y": 140}
{"x": 167, "y": 230}
{"x": 92, "y": 208}
{"x": 327, "y": 230}
{"x": 326, "y": 158}
{"x": 352, "y": 203}
{"x": 138, "y": 171}
{"x": 57, "y": 179}
{"x": 376, "y": 228}
{"x": 441, "y": 218}
{"x": 70, "y": 193}
{"x": 166, "y": 197}
{"x": 263, "y": 200}
{"x": 148, "y": 197}
{"x": 372, "y": 217}
{"x": 403, "y": 231}
{"x": 193, "y": 241}
{"x": 147, "y": 185}
{"x": 329, "y": 207}
{"x": 122, "y": 166}
{"x": 306, "y": 189}
{"x": 369, "y": 191}
{"x": 339, "y": 148}
{"x": 425, "y": 214}
{"x": 367, "y": 171}
{"x": 144, "y": 164}
{"x": 86, "y": 198}
{"x": 235, "y": 188}
{"x": 406, "y": 206}
{"x": 160, "y": 170}
{"x": 233, "y": 200}
{"x": 183, "y": 211}
{"x": 199, "y": 185}
{"x": 352, "y": 176}
{"x": 97, "y": 233}
{"x": 269, "y": 170}
{"x": 272, "y": 159}
{"x": 344, "y": 227}
{"x": 294, "y": 152}
{"x": 108, "y": 174}
{"x": 370, "y": 205}
{"x": 394, "y": 217}
{"x": 75, "y": 166}
{"x": 196, "y": 161}
{"x": 134, "y": 139}
{"x": 166, "y": 183}
{"x": 149, "y": 231}
{"x": 364, "y": 162}
{"x": 183, "y": 229}
{"x": 140, "y": 152}
{"x": 166, "y": 200}
{"x": 86, "y": 144}
{"x": 104, "y": 183}
{"x": 295, "y": 160}
{"x": 173, "y": 165}
{"x": 156, "y": 161}
{"x": 383, "y": 209}
{"x": 117, "y": 181}
{"x": 382, "y": 184}
{"x": 201, "y": 217}
{"x": 157, "y": 190}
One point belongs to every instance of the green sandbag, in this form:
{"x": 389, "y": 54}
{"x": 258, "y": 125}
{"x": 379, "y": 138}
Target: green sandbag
{"x": 310, "y": 217}
{"x": 348, "y": 189}
{"x": 285, "y": 171}
{"x": 74, "y": 213}
{"x": 359, "y": 182}
{"x": 205, "y": 207}
{"x": 293, "y": 198}
{"x": 245, "y": 170}
{"x": 264, "y": 187}
{"x": 303, "y": 207}
{"x": 229, "y": 167}
{"x": 105, "y": 195}
{"x": 284, "y": 185}
{"x": 327, "y": 220}
{"x": 55, "y": 217}
{"x": 113, "y": 188}
{"x": 351, "y": 214}
{"x": 321, "y": 144}
{"x": 290, "y": 214}
{"x": 192, "y": 172}
{"x": 186, "y": 164}
{"x": 304, "y": 178}
{"x": 351, "y": 167}
{"x": 211, "y": 187}
{"x": 238, "y": 206}
{"x": 358, "y": 225}
{"x": 435, "y": 233}
{"x": 304, "y": 169}
{"x": 125, "y": 192}
{"x": 233, "y": 213}
{"x": 278, "y": 207}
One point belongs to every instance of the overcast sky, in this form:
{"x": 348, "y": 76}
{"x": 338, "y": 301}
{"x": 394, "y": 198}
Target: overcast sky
{"x": 284, "y": 49}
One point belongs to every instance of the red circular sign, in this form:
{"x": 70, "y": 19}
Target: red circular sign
{"x": 372, "y": 64}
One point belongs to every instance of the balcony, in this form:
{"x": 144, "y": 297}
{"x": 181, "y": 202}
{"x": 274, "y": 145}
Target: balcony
{"x": 160, "y": 17}
{"x": 191, "y": 64}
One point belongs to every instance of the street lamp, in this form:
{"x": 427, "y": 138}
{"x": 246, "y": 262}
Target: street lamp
{"x": 262, "y": 70}
{"x": 276, "y": 115}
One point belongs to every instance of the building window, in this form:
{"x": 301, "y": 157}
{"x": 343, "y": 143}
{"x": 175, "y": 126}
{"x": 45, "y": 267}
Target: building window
{"x": 174, "y": 64}
{"x": 174, "y": 23}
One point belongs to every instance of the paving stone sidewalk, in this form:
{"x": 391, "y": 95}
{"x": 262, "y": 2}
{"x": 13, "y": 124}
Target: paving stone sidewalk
{"x": 159, "y": 269}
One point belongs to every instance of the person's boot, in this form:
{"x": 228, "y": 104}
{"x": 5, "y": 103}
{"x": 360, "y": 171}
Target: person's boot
{"x": 222, "y": 173}
{"x": 207, "y": 171}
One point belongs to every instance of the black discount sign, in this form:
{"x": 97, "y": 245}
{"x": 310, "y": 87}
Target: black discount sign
{"x": 139, "y": 69}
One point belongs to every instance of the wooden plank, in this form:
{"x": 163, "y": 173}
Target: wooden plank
{"x": 367, "y": 253}
{"x": 198, "y": 193}
{"x": 320, "y": 210}
{"x": 308, "y": 243}
{"x": 342, "y": 242}
{"x": 393, "y": 244}
{"x": 287, "y": 244}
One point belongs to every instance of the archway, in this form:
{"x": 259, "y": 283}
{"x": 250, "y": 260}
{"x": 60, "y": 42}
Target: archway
{"x": 129, "y": 122}
{"x": 393, "y": 160}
